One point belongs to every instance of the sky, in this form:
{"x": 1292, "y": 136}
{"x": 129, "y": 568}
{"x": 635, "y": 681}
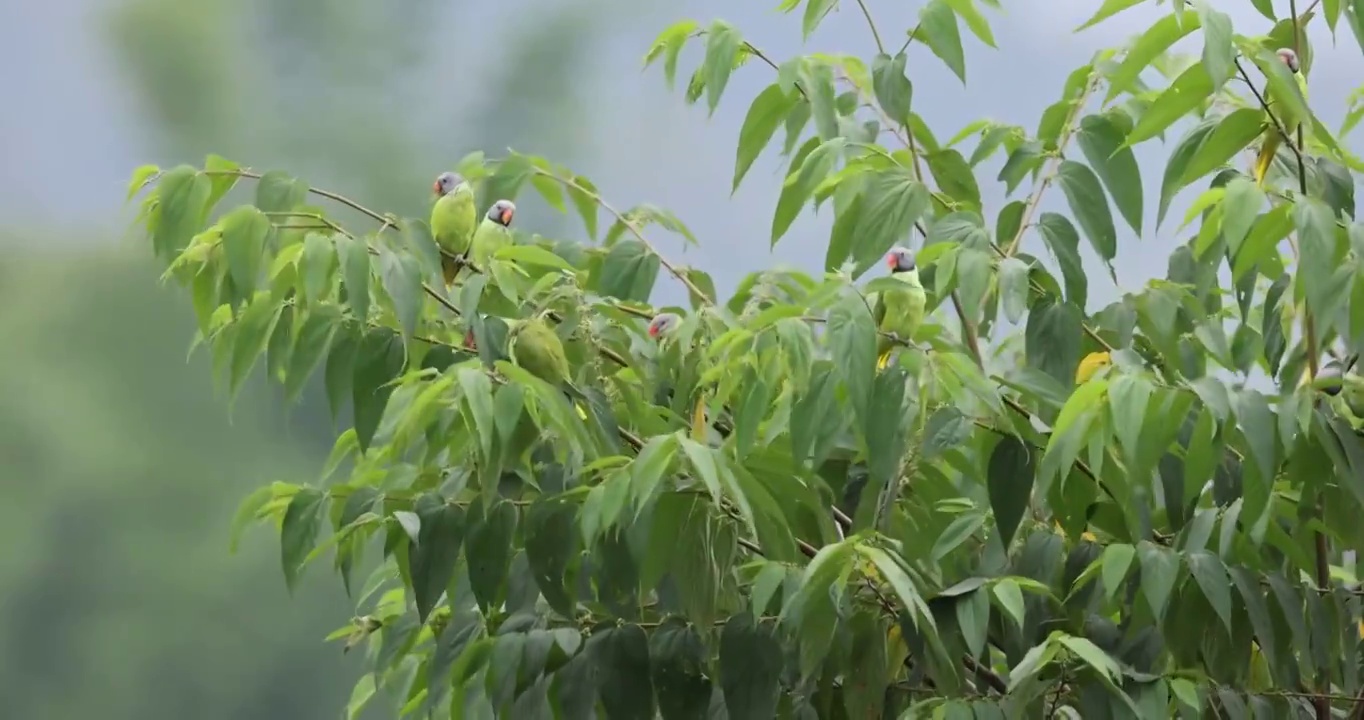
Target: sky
{"x": 68, "y": 125}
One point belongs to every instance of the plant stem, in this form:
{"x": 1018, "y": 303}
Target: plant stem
{"x": 881, "y": 48}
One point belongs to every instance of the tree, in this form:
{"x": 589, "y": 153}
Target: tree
{"x": 751, "y": 518}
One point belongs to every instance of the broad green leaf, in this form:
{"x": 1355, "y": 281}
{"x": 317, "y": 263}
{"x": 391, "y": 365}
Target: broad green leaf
{"x": 402, "y": 279}
{"x": 722, "y": 47}
{"x": 378, "y": 360}
{"x": 1218, "y": 51}
{"x": 1211, "y": 575}
{"x": 765, "y": 115}
{"x": 678, "y": 659}
{"x": 938, "y": 29}
{"x": 1317, "y": 241}
{"x": 815, "y": 10}
{"x": 800, "y": 184}
{"x": 750, "y": 664}
{"x": 1087, "y": 201}
{"x": 1240, "y": 207}
{"x": 245, "y": 230}
{"x": 1187, "y": 92}
{"x": 1052, "y": 339}
{"x": 892, "y": 203}
{"x": 892, "y": 87}
{"x": 818, "y": 80}
{"x": 622, "y": 653}
{"x": 628, "y": 271}
{"x": 852, "y": 337}
{"x": 1151, "y": 44}
{"x": 1117, "y": 560}
{"x": 1064, "y": 243}
{"x": 886, "y": 435}
{"x": 1105, "y": 11}
{"x": 1101, "y": 139}
{"x": 355, "y": 273}
{"x": 534, "y": 255}
{"x": 298, "y": 532}
{"x": 432, "y": 558}
{"x": 1159, "y": 570}
{"x": 1231, "y": 135}
{"x": 1172, "y": 181}
{"x": 278, "y": 191}
{"x": 1010, "y": 479}
{"x": 954, "y": 177}
{"x": 1013, "y": 288}
{"x": 974, "y": 20}
{"x": 1011, "y": 599}
{"x": 489, "y": 549}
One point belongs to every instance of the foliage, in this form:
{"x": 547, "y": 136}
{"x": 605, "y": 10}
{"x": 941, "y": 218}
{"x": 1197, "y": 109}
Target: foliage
{"x": 750, "y": 520}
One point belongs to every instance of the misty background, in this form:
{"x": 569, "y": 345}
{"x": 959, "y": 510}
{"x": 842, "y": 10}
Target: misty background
{"x": 122, "y": 467}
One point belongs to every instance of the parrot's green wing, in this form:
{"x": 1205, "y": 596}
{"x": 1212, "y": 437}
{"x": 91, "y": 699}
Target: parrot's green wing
{"x": 490, "y": 237}
{"x": 538, "y": 350}
{"x": 452, "y": 225}
{"x": 899, "y": 311}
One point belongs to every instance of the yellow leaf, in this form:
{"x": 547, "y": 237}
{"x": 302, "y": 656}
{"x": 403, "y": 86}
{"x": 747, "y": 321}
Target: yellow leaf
{"x": 1093, "y": 363}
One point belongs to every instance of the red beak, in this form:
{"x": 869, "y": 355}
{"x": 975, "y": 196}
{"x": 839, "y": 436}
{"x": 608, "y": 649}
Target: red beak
{"x": 890, "y": 261}
{"x": 506, "y": 217}
{"x": 435, "y": 186}
{"x": 653, "y": 331}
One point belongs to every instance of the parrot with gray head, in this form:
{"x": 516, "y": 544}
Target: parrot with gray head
{"x": 899, "y": 310}
{"x": 536, "y": 348}
{"x": 493, "y": 233}
{"x": 663, "y": 324}
{"x": 452, "y": 222}
{"x": 1273, "y": 139}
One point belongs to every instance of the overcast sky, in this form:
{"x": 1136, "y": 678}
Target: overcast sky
{"x": 67, "y": 128}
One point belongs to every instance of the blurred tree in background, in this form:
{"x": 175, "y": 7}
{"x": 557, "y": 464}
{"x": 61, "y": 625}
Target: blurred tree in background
{"x": 122, "y": 465}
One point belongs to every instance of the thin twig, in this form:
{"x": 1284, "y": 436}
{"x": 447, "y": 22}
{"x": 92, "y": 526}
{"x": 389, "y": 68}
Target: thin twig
{"x": 872, "y": 25}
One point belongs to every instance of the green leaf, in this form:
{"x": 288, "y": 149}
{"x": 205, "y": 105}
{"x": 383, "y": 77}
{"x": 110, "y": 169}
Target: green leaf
{"x": 1101, "y": 140}
{"x": 765, "y": 115}
{"x": 1218, "y": 52}
{"x": 1107, "y": 10}
{"x": 355, "y": 272}
{"x": 679, "y": 660}
{"x": 852, "y": 338}
{"x": 489, "y": 550}
{"x": 892, "y": 203}
{"x": 1093, "y": 656}
{"x": 478, "y": 394}
{"x": 1183, "y": 154}
{"x": 886, "y": 433}
{"x": 140, "y": 177}
{"x": 1231, "y": 135}
{"x": 534, "y": 255}
{"x": 378, "y": 360}
{"x": 298, "y": 532}
{"x": 278, "y": 191}
{"x": 954, "y": 177}
{"x": 1087, "y": 201}
{"x": 1211, "y": 576}
{"x": 1010, "y": 598}
{"x": 892, "y": 87}
{"x": 750, "y": 668}
{"x": 818, "y": 80}
{"x": 973, "y": 619}
{"x": 584, "y": 196}
{"x": 938, "y": 29}
{"x": 431, "y": 560}
{"x": 974, "y": 20}
{"x": 628, "y": 272}
{"x": 1140, "y": 54}
{"x": 815, "y": 10}
{"x": 1010, "y": 479}
{"x": 1316, "y": 228}
{"x": 1013, "y": 288}
{"x": 1159, "y": 569}
{"x": 1064, "y": 243}
{"x": 800, "y": 184}
{"x": 1052, "y": 339}
{"x": 1240, "y": 207}
{"x": 182, "y": 196}
{"x": 552, "y": 541}
{"x": 722, "y": 48}
{"x": 1117, "y": 560}
{"x": 955, "y": 534}
{"x": 622, "y": 654}
{"x": 1187, "y": 92}
{"x": 402, "y": 278}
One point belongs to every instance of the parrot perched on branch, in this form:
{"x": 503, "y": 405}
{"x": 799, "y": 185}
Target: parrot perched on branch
{"x": 452, "y": 222}
{"x": 536, "y": 348}
{"x": 663, "y": 325}
{"x": 1273, "y": 139}
{"x": 492, "y": 233}
{"x": 899, "y": 311}
{"x": 1091, "y": 365}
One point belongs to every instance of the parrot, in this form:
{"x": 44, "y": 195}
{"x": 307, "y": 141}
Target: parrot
{"x": 899, "y": 311}
{"x": 1272, "y": 138}
{"x": 491, "y": 234}
{"x": 1330, "y": 378}
{"x": 1091, "y": 365}
{"x": 452, "y": 222}
{"x": 663, "y": 324}
{"x": 537, "y": 349}
{"x": 660, "y": 327}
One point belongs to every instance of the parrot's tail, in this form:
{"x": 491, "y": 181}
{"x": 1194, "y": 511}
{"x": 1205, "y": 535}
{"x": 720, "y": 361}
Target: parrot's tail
{"x": 698, "y": 418}
{"x": 883, "y": 360}
{"x": 1266, "y": 157}
{"x": 582, "y": 412}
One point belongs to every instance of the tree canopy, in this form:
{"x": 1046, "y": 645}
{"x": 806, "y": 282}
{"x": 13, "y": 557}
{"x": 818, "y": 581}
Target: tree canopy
{"x": 1035, "y": 509}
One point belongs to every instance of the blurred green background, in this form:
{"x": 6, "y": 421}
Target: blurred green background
{"x": 122, "y": 466}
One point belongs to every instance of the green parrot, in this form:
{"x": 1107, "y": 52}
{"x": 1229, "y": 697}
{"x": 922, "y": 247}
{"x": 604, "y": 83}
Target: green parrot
{"x": 899, "y": 311}
{"x": 1272, "y": 138}
{"x": 492, "y": 233}
{"x": 452, "y": 222}
{"x": 536, "y": 348}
